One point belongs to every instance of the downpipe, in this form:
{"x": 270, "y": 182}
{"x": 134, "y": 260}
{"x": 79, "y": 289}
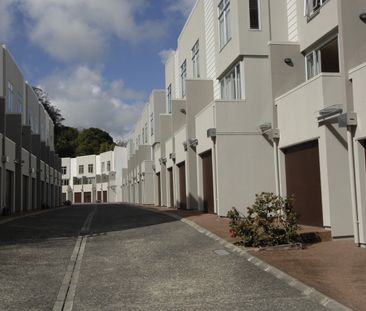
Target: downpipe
{"x": 351, "y": 160}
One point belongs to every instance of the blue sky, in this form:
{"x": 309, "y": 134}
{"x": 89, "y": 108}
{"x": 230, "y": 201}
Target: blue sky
{"x": 97, "y": 59}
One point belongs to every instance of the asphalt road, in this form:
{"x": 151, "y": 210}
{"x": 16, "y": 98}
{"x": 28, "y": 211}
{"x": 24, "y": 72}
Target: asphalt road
{"x": 121, "y": 257}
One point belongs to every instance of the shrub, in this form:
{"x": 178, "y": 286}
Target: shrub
{"x": 270, "y": 221}
{"x": 67, "y": 203}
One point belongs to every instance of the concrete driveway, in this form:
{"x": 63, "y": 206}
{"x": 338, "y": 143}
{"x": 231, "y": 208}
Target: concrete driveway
{"x": 121, "y": 257}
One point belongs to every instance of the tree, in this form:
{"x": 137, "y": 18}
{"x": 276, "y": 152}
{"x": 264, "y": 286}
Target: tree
{"x": 66, "y": 142}
{"x": 93, "y": 141}
{"x": 52, "y": 110}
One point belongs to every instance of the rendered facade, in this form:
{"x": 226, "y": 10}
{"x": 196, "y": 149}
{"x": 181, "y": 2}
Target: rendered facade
{"x": 94, "y": 178}
{"x": 30, "y": 171}
{"x": 261, "y": 95}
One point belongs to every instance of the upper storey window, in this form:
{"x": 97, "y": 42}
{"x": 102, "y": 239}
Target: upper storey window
{"x": 183, "y": 77}
{"x": 108, "y": 166}
{"x": 64, "y": 170}
{"x": 169, "y": 98}
{"x": 196, "y": 60}
{"x": 311, "y": 7}
{"x": 90, "y": 168}
{"x": 152, "y": 124}
{"x": 10, "y": 97}
{"x": 254, "y": 21}
{"x": 81, "y": 169}
{"x": 224, "y": 22}
{"x": 323, "y": 59}
{"x": 231, "y": 84}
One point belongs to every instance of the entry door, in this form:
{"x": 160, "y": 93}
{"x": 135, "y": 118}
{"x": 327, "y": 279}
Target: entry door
{"x": 207, "y": 174}
{"x": 159, "y": 189}
{"x": 105, "y": 196}
{"x": 77, "y": 197}
{"x": 171, "y": 185}
{"x": 25, "y": 193}
{"x": 87, "y": 197}
{"x": 303, "y": 181}
{"x": 182, "y": 185}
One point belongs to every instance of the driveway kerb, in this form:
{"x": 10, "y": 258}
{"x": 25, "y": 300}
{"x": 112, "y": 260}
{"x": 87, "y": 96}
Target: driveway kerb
{"x": 306, "y": 290}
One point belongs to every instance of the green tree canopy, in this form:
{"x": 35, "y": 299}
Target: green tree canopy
{"x": 93, "y": 141}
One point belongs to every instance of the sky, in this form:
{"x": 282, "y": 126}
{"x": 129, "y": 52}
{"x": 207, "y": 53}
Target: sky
{"x": 98, "y": 60}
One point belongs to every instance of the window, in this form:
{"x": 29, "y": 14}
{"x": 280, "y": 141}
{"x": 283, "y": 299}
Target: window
{"x": 169, "y": 98}
{"x": 103, "y": 167}
{"x": 196, "y": 60}
{"x": 90, "y": 168}
{"x": 143, "y": 135}
{"x": 64, "y": 170}
{"x": 10, "y": 97}
{"x": 224, "y": 22}
{"x": 19, "y": 99}
{"x": 65, "y": 182}
{"x": 183, "y": 77}
{"x": 254, "y": 14}
{"x": 108, "y": 166}
{"x": 323, "y": 59}
{"x": 152, "y": 124}
{"x": 231, "y": 84}
{"x": 311, "y": 7}
{"x": 146, "y": 133}
{"x": 81, "y": 169}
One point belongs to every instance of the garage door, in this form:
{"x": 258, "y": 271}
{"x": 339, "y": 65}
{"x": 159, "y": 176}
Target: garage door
{"x": 208, "y": 197}
{"x": 182, "y": 185}
{"x": 99, "y": 196}
{"x": 303, "y": 181}
{"x": 87, "y": 197}
{"x": 77, "y": 196}
{"x": 25, "y": 193}
{"x": 105, "y": 197}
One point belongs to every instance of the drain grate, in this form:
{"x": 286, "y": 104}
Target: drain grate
{"x": 222, "y": 252}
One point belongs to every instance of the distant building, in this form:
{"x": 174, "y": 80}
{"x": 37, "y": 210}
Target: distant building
{"x": 94, "y": 178}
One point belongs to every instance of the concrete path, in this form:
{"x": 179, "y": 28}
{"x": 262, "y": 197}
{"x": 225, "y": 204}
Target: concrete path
{"x": 120, "y": 257}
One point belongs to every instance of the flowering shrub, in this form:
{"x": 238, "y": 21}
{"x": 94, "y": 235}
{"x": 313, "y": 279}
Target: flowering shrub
{"x": 270, "y": 221}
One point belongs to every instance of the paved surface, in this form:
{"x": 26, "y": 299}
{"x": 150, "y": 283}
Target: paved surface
{"x": 130, "y": 259}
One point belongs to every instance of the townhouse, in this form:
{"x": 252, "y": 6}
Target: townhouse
{"x": 266, "y": 95}
{"x": 30, "y": 171}
{"x": 94, "y": 178}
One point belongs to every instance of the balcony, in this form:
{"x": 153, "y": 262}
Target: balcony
{"x": 299, "y": 108}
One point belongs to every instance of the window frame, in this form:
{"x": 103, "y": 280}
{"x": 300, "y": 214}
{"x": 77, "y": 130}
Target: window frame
{"x": 108, "y": 166}
{"x": 64, "y": 170}
{"x": 196, "y": 60}
{"x": 237, "y": 87}
{"x": 81, "y": 169}
{"x": 90, "y": 168}
{"x": 259, "y": 16}
{"x": 183, "y": 77}
{"x": 224, "y": 14}
{"x": 169, "y": 97}
{"x": 310, "y": 10}
{"x": 152, "y": 124}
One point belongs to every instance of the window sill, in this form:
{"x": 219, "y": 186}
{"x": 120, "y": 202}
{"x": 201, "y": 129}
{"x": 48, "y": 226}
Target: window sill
{"x": 224, "y": 46}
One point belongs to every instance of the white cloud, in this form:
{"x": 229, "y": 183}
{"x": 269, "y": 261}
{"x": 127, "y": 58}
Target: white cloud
{"x": 81, "y": 29}
{"x": 85, "y": 100}
{"x": 183, "y": 7}
{"x": 6, "y": 19}
{"x": 165, "y": 55}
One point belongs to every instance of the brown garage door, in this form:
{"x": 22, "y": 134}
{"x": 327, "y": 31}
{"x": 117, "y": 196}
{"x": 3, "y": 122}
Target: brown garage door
{"x": 99, "y": 196}
{"x": 171, "y": 186}
{"x": 182, "y": 185}
{"x": 208, "y": 197}
{"x": 303, "y": 181}
{"x": 87, "y": 197}
{"x": 77, "y": 196}
{"x": 159, "y": 188}
{"x": 105, "y": 197}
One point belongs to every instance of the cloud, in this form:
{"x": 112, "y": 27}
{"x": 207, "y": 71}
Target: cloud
{"x": 165, "y": 55}
{"x": 6, "y": 19}
{"x": 86, "y": 100}
{"x": 184, "y": 7}
{"x": 81, "y": 29}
